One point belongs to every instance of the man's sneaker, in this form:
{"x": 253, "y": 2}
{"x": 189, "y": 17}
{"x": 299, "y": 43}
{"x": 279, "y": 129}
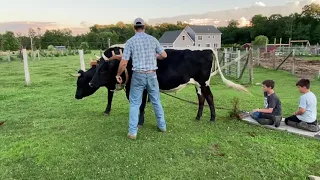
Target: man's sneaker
{"x": 132, "y": 136}
{"x": 162, "y": 130}
{"x": 277, "y": 121}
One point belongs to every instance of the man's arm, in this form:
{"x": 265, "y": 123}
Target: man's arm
{"x": 159, "y": 49}
{"x": 302, "y": 106}
{"x": 125, "y": 58}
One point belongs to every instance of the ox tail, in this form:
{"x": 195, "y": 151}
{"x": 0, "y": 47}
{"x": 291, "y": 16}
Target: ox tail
{"x": 226, "y": 81}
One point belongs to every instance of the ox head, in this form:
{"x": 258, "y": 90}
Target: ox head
{"x": 106, "y": 72}
{"x": 83, "y": 79}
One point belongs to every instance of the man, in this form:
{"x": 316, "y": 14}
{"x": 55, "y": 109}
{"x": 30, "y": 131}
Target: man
{"x": 143, "y": 49}
{"x": 306, "y": 116}
{"x": 271, "y": 114}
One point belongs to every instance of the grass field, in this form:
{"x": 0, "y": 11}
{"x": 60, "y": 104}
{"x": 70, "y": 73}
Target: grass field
{"x": 311, "y": 58}
{"x": 49, "y": 134}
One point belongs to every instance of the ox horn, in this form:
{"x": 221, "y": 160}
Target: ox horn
{"x": 97, "y": 57}
{"x": 75, "y": 75}
{"x": 104, "y": 57}
{"x": 120, "y": 50}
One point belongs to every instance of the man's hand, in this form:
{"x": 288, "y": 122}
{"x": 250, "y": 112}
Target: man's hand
{"x": 255, "y": 110}
{"x": 161, "y": 56}
{"x": 119, "y": 79}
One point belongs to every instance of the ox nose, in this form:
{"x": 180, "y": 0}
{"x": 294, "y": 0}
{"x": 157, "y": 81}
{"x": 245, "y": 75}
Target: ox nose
{"x": 90, "y": 84}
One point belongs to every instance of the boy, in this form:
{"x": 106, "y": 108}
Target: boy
{"x": 306, "y": 116}
{"x": 271, "y": 114}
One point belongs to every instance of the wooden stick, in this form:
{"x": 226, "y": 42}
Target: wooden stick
{"x": 284, "y": 60}
{"x": 250, "y": 67}
{"x": 274, "y": 59}
{"x": 293, "y": 61}
{"x": 26, "y": 68}
{"x": 244, "y": 67}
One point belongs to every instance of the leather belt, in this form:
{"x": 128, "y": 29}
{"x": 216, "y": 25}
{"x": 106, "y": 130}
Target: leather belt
{"x": 146, "y": 72}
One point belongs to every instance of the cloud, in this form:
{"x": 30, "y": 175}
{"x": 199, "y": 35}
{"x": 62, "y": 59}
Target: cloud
{"x": 23, "y": 26}
{"x": 243, "y": 22}
{"x": 259, "y": 4}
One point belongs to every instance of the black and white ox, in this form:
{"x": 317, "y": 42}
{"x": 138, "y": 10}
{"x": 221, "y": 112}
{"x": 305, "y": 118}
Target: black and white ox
{"x": 181, "y": 67}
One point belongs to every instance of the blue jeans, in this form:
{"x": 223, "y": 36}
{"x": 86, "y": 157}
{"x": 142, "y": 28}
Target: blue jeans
{"x": 139, "y": 82}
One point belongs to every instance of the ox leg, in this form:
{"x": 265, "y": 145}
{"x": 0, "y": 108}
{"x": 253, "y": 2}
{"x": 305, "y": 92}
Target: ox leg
{"x": 209, "y": 97}
{"x": 201, "y": 100}
{"x": 108, "y": 109}
{"x": 142, "y": 107}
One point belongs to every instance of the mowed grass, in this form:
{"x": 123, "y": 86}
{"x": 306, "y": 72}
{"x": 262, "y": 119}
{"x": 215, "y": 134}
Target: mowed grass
{"x": 311, "y": 58}
{"x": 49, "y": 134}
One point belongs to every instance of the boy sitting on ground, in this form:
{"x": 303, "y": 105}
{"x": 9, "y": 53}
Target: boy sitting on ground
{"x": 306, "y": 116}
{"x": 271, "y": 114}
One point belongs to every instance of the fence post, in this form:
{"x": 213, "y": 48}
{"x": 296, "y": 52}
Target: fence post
{"x": 258, "y": 52}
{"x": 226, "y": 55}
{"x": 82, "y": 65}
{"x": 274, "y": 60}
{"x": 250, "y": 66}
{"x": 8, "y": 55}
{"x": 293, "y": 61}
{"x": 26, "y": 68}
{"x": 238, "y": 64}
{"x": 38, "y": 52}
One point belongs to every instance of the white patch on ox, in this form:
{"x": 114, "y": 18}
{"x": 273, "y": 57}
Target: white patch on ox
{"x": 182, "y": 86}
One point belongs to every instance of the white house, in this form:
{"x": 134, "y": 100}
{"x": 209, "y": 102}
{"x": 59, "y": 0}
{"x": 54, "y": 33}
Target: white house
{"x": 193, "y": 35}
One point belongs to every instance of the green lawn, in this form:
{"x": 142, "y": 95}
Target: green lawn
{"x": 310, "y": 58}
{"x": 49, "y": 134}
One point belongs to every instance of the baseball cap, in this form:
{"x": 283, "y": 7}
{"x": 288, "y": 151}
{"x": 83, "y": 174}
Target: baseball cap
{"x": 138, "y": 22}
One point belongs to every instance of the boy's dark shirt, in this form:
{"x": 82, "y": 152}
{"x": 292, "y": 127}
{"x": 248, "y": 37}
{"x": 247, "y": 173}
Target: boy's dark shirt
{"x": 273, "y": 101}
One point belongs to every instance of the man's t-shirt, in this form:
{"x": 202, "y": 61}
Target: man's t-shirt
{"x": 273, "y": 101}
{"x": 308, "y": 101}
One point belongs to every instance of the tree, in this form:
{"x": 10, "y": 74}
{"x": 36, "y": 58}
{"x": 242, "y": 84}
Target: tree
{"x": 312, "y": 10}
{"x": 260, "y": 40}
{"x": 233, "y": 24}
{"x": 51, "y": 48}
{"x": 31, "y": 34}
{"x": 10, "y": 42}
{"x": 39, "y": 36}
{"x": 84, "y": 46}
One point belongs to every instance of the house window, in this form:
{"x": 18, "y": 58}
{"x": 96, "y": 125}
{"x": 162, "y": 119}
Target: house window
{"x": 200, "y": 38}
{"x": 188, "y": 45}
{"x": 183, "y": 37}
{"x": 209, "y": 37}
{"x": 215, "y": 45}
{"x": 212, "y": 36}
{"x": 207, "y": 45}
{"x": 199, "y": 45}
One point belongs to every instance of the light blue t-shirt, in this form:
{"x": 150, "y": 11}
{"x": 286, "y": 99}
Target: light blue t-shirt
{"x": 308, "y": 101}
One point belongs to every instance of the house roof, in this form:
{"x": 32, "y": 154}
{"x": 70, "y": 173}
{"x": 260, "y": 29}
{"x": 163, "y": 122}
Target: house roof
{"x": 204, "y": 29}
{"x": 170, "y": 36}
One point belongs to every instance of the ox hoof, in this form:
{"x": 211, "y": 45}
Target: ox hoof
{"x": 106, "y": 114}
{"x": 212, "y": 121}
{"x": 198, "y": 118}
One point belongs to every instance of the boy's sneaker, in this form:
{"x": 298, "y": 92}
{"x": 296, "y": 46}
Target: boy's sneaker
{"x": 308, "y": 127}
{"x": 277, "y": 121}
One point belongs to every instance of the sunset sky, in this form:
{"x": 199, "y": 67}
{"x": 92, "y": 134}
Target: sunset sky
{"x": 106, "y": 12}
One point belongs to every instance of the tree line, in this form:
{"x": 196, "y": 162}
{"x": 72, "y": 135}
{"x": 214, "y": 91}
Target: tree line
{"x": 298, "y": 26}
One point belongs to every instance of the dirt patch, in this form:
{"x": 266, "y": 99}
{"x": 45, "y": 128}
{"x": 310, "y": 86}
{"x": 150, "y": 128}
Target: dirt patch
{"x": 303, "y": 68}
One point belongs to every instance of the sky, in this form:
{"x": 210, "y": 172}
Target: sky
{"x": 75, "y": 12}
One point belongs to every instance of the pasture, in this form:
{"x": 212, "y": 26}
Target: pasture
{"x": 48, "y": 134}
